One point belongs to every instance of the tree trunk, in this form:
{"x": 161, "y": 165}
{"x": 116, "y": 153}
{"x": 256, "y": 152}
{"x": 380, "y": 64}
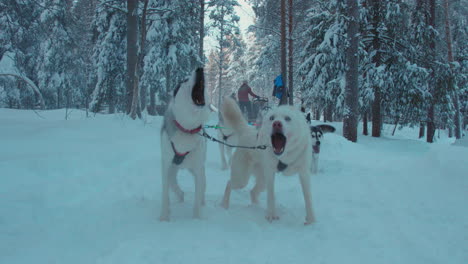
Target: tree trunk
{"x": 430, "y": 113}
{"x": 365, "y": 130}
{"x": 376, "y": 108}
{"x": 202, "y": 32}
{"x": 328, "y": 115}
{"x": 448, "y": 37}
{"x": 152, "y": 107}
{"x": 350, "y": 121}
{"x": 111, "y": 99}
{"x": 143, "y": 31}
{"x": 284, "y": 98}
{"x": 132, "y": 50}
{"x": 422, "y": 128}
{"x": 317, "y": 114}
{"x": 290, "y": 53}
{"x": 221, "y": 60}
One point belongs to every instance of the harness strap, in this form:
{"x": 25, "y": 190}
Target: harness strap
{"x": 178, "y": 157}
{"x": 204, "y": 134}
{"x": 225, "y": 137}
{"x": 188, "y": 131}
{"x": 281, "y": 166}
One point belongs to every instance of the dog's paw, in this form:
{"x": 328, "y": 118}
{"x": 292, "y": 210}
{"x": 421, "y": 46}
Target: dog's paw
{"x": 180, "y": 197}
{"x": 196, "y": 215}
{"x": 271, "y": 218}
{"x": 225, "y": 205}
{"x": 309, "y": 220}
{"x": 164, "y": 218}
{"x": 253, "y": 197}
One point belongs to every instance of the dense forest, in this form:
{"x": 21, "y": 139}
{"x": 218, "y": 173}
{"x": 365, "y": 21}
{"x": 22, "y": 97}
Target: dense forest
{"x": 401, "y": 62}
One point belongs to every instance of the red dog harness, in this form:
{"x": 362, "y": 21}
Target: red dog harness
{"x": 178, "y": 156}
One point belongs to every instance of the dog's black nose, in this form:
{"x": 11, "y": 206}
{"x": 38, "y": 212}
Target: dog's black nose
{"x": 318, "y": 143}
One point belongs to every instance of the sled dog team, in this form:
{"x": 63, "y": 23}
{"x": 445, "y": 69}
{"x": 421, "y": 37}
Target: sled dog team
{"x": 292, "y": 147}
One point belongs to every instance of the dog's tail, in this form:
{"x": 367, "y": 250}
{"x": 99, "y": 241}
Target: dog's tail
{"x": 233, "y": 117}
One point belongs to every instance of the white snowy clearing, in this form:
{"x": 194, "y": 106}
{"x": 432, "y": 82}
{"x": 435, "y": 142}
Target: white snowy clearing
{"x": 88, "y": 191}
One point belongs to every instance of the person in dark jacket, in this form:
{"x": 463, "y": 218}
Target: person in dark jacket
{"x": 244, "y": 101}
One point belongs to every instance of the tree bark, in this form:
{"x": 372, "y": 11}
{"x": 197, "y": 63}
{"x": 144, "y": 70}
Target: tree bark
{"x": 132, "y": 51}
{"x": 365, "y": 130}
{"x": 455, "y": 97}
{"x": 221, "y": 60}
{"x": 351, "y": 90}
{"x": 290, "y": 53}
{"x": 430, "y": 112}
{"x": 376, "y": 107}
{"x": 328, "y": 114}
{"x": 152, "y": 107}
{"x": 422, "y": 128}
{"x": 284, "y": 98}
{"x": 143, "y": 31}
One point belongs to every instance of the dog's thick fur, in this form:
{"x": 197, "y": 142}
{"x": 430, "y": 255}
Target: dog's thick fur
{"x": 187, "y": 111}
{"x": 296, "y": 154}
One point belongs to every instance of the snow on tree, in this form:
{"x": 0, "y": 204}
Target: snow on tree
{"x": 322, "y": 67}
{"x": 225, "y": 23}
{"x": 172, "y": 51}
{"x": 109, "y": 57}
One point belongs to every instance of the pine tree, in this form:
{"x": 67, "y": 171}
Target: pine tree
{"x": 225, "y": 22}
{"x": 109, "y": 57}
{"x": 322, "y": 67}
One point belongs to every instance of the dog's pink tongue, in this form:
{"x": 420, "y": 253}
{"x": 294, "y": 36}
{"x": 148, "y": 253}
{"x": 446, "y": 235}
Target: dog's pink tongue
{"x": 316, "y": 149}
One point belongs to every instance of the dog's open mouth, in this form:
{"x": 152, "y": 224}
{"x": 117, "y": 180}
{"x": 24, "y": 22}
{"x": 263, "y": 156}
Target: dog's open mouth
{"x": 316, "y": 149}
{"x": 278, "y": 140}
{"x": 198, "y": 90}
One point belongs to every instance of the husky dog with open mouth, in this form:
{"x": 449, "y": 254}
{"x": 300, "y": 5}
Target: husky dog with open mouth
{"x": 316, "y": 132}
{"x": 181, "y": 146}
{"x": 289, "y": 151}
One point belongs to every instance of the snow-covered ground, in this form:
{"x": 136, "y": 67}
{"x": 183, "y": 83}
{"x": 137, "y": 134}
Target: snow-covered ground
{"x": 87, "y": 190}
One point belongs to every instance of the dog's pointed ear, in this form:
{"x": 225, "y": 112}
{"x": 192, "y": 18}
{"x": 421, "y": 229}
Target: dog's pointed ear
{"x": 327, "y": 128}
{"x": 308, "y": 118}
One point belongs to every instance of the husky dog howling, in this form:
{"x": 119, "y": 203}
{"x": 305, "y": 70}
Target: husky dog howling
{"x": 181, "y": 146}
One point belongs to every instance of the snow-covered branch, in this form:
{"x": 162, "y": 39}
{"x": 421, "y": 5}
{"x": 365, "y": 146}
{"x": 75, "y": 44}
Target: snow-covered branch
{"x": 28, "y": 81}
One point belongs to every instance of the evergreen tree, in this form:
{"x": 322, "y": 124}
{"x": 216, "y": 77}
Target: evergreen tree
{"x": 225, "y": 23}
{"x": 109, "y": 57}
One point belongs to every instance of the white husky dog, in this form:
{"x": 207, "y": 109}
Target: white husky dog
{"x": 286, "y": 134}
{"x": 181, "y": 147}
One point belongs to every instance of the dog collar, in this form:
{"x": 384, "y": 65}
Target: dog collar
{"x": 178, "y": 157}
{"x": 281, "y": 166}
{"x": 188, "y": 131}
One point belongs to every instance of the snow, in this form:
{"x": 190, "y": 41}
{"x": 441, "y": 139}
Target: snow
{"x": 87, "y": 190}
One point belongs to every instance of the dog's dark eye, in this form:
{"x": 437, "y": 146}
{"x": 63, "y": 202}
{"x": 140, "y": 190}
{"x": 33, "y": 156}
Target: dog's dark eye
{"x": 272, "y": 118}
{"x": 319, "y": 135}
{"x": 313, "y": 136}
{"x": 287, "y": 118}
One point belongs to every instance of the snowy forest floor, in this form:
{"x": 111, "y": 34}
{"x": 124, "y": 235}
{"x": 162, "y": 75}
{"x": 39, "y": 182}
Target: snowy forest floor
{"x": 87, "y": 190}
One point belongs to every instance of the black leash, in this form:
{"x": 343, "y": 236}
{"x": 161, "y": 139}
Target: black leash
{"x": 229, "y": 145}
